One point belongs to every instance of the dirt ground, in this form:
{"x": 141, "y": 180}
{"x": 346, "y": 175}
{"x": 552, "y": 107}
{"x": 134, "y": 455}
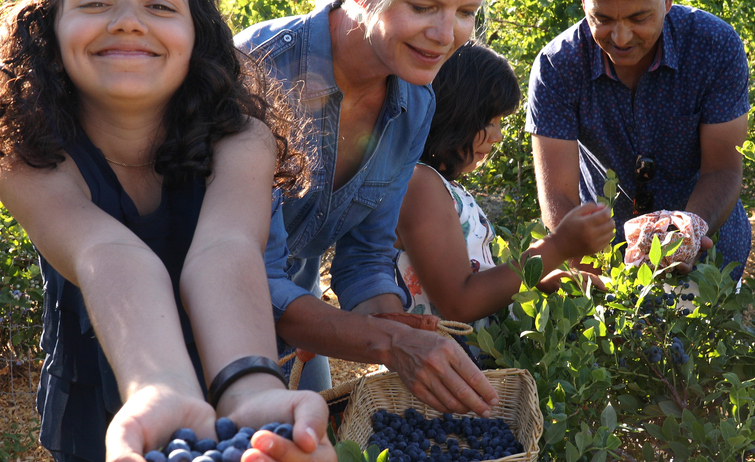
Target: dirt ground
{"x": 19, "y": 421}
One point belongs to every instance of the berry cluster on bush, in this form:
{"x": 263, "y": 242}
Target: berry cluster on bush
{"x": 410, "y": 438}
{"x": 184, "y": 446}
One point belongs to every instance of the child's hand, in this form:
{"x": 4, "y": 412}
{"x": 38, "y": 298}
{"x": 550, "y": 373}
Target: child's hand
{"x": 585, "y": 230}
{"x": 552, "y": 281}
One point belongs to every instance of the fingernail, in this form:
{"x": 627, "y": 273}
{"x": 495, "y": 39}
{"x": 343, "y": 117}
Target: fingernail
{"x": 268, "y": 445}
{"x": 486, "y": 414}
{"x": 311, "y": 432}
{"x": 494, "y": 402}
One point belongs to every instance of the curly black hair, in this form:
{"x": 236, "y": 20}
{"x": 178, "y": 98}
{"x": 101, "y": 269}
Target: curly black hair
{"x": 223, "y": 88}
{"x": 475, "y": 85}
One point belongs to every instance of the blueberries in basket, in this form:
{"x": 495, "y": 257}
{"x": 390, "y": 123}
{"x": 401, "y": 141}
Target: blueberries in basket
{"x": 184, "y": 446}
{"x": 465, "y": 439}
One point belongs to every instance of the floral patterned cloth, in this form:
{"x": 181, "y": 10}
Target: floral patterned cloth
{"x": 666, "y": 225}
{"x": 478, "y": 235}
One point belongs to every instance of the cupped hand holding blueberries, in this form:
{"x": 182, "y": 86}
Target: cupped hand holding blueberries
{"x": 146, "y": 428}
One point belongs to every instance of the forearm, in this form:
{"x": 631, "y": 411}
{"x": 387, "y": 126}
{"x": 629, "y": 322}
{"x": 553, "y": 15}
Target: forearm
{"x": 714, "y": 197}
{"x": 132, "y": 308}
{"x": 486, "y": 292}
{"x": 224, "y": 289}
{"x": 386, "y": 303}
{"x": 317, "y": 327}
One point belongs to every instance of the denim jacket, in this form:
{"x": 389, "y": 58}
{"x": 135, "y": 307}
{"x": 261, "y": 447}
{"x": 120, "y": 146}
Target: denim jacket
{"x": 361, "y": 216}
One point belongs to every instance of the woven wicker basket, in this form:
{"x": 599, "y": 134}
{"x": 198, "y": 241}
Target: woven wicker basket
{"x": 518, "y": 407}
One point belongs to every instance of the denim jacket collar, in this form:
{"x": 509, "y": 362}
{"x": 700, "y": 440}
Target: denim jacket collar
{"x": 319, "y": 79}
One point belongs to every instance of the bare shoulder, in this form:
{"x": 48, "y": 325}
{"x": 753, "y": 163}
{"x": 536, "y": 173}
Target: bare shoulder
{"x": 426, "y": 181}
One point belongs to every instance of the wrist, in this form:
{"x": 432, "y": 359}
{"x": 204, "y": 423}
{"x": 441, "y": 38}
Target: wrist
{"x": 239, "y": 369}
{"x": 180, "y": 382}
{"x": 386, "y": 336}
{"x": 243, "y": 389}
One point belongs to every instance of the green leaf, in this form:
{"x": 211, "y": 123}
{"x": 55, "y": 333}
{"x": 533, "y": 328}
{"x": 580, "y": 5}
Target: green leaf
{"x": 680, "y": 450}
{"x": 698, "y": 433}
{"x": 655, "y": 431}
{"x": 555, "y": 433}
{"x": 583, "y": 440}
{"x": 727, "y": 430}
{"x": 644, "y": 275}
{"x": 383, "y": 457}
{"x": 600, "y": 456}
{"x": 525, "y": 299}
{"x": 628, "y": 403}
{"x": 648, "y": 453}
{"x": 541, "y": 320}
{"x": 348, "y": 451}
{"x": 671, "y": 408}
{"x": 486, "y": 342}
{"x": 533, "y": 271}
{"x": 572, "y": 453}
{"x": 534, "y": 335}
{"x": 670, "y": 428}
{"x": 371, "y": 454}
{"x": 608, "y": 418}
{"x": 655, "y": 251}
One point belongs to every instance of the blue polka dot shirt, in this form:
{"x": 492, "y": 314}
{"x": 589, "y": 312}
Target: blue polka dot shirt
{"x": 699, "y": 76}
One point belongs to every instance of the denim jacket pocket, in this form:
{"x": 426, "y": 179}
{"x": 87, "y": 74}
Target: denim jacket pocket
{"x": 371, "y": 194}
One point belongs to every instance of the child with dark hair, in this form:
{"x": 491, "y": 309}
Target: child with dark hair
{"x": 444, "y": 236}
{"x": 140, "y": 151}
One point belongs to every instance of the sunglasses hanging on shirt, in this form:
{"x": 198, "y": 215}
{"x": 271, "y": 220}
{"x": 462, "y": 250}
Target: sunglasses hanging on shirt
{"x": 644, "y": 172}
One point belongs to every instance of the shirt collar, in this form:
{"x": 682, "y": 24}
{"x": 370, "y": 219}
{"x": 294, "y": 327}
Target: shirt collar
{"x": 319, "y": 79}
{"x": 665, "y": 54}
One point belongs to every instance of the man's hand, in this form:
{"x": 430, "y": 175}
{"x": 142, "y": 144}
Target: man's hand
{"x": 687, "y": 266}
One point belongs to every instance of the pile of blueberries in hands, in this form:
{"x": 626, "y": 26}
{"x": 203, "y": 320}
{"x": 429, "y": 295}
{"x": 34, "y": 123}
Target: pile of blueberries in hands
{"x": 408, "y": 438}
{"x": 184, "y": 446}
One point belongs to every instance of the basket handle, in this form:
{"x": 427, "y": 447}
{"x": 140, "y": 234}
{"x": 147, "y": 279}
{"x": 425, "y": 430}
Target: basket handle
{"x": 428, "y": 322}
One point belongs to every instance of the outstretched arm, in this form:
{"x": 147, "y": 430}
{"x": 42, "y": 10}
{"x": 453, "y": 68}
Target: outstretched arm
{"x": 126, "y": 288}
{"x": 224, "y": 289}
{"x": 431, "y": 234}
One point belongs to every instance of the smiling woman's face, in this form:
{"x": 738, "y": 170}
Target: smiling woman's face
{"x": 413, "y": 38}
{"x": 125, "y": 49}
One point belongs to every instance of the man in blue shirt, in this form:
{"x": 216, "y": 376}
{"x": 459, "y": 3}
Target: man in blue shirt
{"x": 639, "y": 82}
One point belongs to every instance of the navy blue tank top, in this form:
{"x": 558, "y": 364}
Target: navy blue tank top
{"x": 78, "y": 393}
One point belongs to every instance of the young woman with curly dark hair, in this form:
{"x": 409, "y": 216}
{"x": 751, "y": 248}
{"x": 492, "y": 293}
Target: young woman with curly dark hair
{"x": 140, "y": 151}
{"x": 446, "y": 263}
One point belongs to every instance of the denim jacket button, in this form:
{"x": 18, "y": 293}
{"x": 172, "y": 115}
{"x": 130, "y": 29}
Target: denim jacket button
{"x": 319, "y": 215}
{"x": 287, "y": 38}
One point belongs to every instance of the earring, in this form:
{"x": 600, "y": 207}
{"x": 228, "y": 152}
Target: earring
{"x": 56, "y": 67}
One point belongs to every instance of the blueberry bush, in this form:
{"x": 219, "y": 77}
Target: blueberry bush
{"x": 658, "y": 367}
{"x": 20, "y": 294}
